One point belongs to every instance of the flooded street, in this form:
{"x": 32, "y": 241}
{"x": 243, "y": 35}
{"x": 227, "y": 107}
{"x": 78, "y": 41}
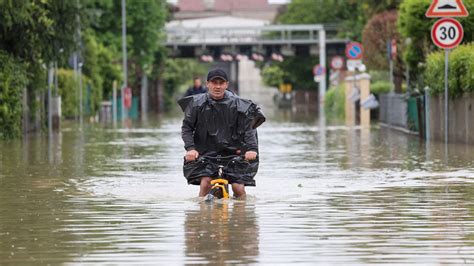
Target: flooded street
{"x": 325, "y": 194}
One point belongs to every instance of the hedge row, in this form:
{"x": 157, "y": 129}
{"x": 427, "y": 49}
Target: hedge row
{"x": 460, "y": 74}
{"x": 334, "y": 102}
{"x": 13, "y": 80}
{"x": 68, "y": 90}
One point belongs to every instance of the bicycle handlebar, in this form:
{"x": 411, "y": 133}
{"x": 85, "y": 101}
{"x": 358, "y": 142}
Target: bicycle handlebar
{"x": 221, "y": 157}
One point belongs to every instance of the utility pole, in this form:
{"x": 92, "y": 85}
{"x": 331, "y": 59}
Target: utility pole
{"x": 81, "y": 121}
{"x": 78, "y": 65}
{"x": 322, "y": 62}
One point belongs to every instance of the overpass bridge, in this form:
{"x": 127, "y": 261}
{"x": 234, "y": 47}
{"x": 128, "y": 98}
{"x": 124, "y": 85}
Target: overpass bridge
{"x": 227, "y": 45}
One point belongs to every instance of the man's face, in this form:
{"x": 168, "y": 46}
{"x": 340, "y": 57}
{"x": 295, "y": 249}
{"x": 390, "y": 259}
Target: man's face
{"x": 197, "y": 83}
{"x": 217, "y": 88}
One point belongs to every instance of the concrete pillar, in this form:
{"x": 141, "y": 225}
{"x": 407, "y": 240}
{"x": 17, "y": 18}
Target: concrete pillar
{"x": 233, "y": 72}
{"x": 364, "y": 85}
{"x": 349, "y": 105}
{"x": 56, "y": 113}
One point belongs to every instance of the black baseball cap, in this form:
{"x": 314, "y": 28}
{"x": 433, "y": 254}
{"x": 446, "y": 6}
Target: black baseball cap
{"x": 217, "y": 73}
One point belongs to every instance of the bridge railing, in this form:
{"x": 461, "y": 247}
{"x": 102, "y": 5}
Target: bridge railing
{"x": 272, "y": 34}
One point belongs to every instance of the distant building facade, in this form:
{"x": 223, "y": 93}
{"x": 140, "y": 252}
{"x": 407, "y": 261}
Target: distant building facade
{"x": 253, "y": 9}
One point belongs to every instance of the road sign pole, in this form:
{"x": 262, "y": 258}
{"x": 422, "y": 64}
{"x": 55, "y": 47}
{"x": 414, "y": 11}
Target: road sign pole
{"x": 447, "y": 33}
{"x": 446, "y": 66}
{"x": 392, "y": 86}
{"x": 114, "y": 102}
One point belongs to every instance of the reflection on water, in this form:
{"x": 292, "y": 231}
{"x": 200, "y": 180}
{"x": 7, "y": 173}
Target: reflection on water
{"x": 221, "y": 233}
{"x": 325, "y": 194}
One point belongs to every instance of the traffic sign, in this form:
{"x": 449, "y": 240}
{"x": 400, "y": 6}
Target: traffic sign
{"x": 318, "y": 79}
{"x": 354, "y": 50}
{"x": 319, "y": 70}
{"x": 127, "y": 98}
{"x": 353, "y": 65}
{"x": 334, "y": 77}
{"x": 393, "y": 49}
{"x": 446, "y": 8}
{"x": 337, "y": 62}
{"x": 447, "y": 33}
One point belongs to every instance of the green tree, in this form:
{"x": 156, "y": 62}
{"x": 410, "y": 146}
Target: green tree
{"x": 273, "y": 75}
{"x": 145, "y": 21}
{"x": 379, "y": 30}
{"x": 12, "y": 82}
{"x": 178, "y": 74}
{"x": 351, "y": 15}
{"x": 36, "y": 30}
{"x": 299, "y": 72}
{"x": 35, "y": 33}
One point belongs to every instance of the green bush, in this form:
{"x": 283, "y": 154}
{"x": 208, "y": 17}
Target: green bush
{"x": 178, "y": 75}
{"x": 299, "y": 72}
{"x": 379, "y": 75}
{"x": 272, "y": 76}
{"x": 334, "y": 102}
{"x": 380, "y": 87}
{"x": 13, "y": 80}
{"x": 99, "y": 66}
{"x": 463, "y": 66}
{"x": 460, "y": 75}
{"x": 69, "y": 96}
{"x": 92, "y": 65}
{"x": 109, "y": 70}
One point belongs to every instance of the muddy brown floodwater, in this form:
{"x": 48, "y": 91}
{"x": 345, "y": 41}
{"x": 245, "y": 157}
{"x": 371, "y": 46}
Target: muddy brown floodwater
{"x": 326, "y": 194}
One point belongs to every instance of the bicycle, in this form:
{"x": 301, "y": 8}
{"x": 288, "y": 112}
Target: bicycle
{"x": 220, "y": 183}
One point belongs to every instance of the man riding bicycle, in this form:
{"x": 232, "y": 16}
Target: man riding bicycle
{"x": 219, "y": 123}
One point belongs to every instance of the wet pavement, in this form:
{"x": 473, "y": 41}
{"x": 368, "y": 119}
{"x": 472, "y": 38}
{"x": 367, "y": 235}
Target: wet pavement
{"x": 326, "y": 194}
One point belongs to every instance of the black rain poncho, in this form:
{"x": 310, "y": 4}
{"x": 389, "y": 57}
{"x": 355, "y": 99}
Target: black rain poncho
{"x": 220, "y": 127}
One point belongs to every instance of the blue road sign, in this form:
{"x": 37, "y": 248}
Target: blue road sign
{"x": 319, "y": 70}
{"x": 354, "y": 50}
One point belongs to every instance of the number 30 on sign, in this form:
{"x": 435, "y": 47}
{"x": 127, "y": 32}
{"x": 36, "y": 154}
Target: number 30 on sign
{"x": 447, "y": 33}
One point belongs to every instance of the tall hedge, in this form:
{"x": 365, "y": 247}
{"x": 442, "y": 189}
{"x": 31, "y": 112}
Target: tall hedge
{"x": 460, "y": 75}
{"x": 334, "y": 102}
{"x": 13, "y": 80}
{"x": 272, "y": 75}
{"x": 68, "y": 90}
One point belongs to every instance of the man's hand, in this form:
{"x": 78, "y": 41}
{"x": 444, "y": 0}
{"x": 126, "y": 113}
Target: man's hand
{"x": 191, "y": 155}
{"x": 250, "y": 155}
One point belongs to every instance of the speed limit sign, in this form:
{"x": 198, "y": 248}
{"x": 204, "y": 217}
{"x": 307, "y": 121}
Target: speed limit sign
{"x": 447, "y": 33}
